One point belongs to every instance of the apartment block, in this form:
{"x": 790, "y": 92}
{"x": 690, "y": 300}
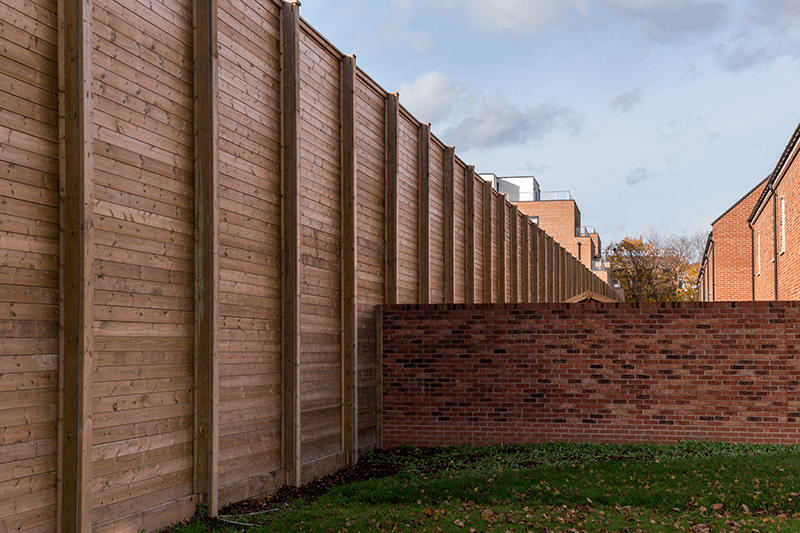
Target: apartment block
{"x": 558, "y": 215}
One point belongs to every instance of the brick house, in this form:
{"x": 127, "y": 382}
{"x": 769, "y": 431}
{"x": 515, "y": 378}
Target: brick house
{"x": 726, "y": 270}
{"x": 557, "y": 214}
{"x": 753, "y": 250}
{"x": 774, "y": 219}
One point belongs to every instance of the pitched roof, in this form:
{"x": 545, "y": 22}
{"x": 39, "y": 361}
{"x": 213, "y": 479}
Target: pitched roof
{"x": 740, "y": 200}
{"x": 589, "y": 296}
{"x": 775, "y": 173}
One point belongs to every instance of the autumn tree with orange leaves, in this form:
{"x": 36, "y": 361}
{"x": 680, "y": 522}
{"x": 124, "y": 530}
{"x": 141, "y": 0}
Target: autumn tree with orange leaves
{"x": 657, "y": 268}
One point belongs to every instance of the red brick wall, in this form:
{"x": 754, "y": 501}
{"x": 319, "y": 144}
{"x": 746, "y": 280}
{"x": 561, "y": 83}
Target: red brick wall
{"x": 559, "y": 218}
{"x": 628, "y": 372}
{"x": 764, "y": 254}
{"x": 788, "y": 189}
{"x": 732, "y": 274}
{"x": 777, "y": 224}
{"x": 706, "y": 289}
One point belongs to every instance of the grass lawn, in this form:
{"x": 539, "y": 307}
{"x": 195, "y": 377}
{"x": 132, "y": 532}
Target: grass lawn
{"x": 691, "y": 486}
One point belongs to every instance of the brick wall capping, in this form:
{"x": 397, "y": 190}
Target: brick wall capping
{"x": 779, "y": 305}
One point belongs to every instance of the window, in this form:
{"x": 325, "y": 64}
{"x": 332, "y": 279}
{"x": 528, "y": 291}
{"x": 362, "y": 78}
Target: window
{"x": 758, "y": 253}
{"x": 783, "y": 224}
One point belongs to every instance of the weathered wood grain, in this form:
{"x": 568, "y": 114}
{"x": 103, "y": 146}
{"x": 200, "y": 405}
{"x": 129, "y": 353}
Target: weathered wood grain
{"x": 207, "y": 300}
{"x": 349, "y": 250}
{"x": 449, "y": 224}
{"x": 470, "y": 234}
{"x": 424, "y": 203}
{"x": 290, "y": 220}
{"x": 75, "y": 80}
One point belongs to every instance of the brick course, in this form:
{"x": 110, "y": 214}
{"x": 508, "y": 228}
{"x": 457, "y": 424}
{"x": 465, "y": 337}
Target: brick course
{"x": 781, "y": 211}
{"x": 560, "y": 218}
{"x": 728, "y": 267}
{"x": 648, "y": 372}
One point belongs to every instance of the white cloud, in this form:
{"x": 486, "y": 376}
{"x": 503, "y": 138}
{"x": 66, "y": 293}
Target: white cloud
{"x": 662, "y": 18}
{"x": 666, "y": 19}
{"x": 747, "y": 49}
{"x": 626, "y": 101}
{"x": 773, "y": 10}
{"x": 514, "y": 16}
{"x": 763, "y": 32}
{"x": 474, "y": 120}
{"x": 639, "y": 175}
{"x": 420, "y": 41}
{"x": 769, "y": 30}
{"x": 498, "y": 123}
{"x": 681, "y": 124}
{"x": 397, "y": 31}
{"x": 432, "y": 97}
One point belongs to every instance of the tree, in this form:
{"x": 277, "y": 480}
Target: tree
{"x": 656, "y": 269}
{"x": 684, "y": 252}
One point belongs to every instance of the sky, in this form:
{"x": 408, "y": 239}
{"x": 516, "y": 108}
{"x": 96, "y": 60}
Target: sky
{"x": 657, "y": 115}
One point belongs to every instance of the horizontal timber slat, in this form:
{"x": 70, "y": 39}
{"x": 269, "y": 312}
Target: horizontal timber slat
{"x": 163, "y": 159}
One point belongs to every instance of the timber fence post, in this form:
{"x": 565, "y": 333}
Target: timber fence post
{"x": 76, "y": 183}
{"x": 206, "y": 167}
{"x": 392, "y": 126}
{"x": 424, "y": 214}
{"x": 349, "y": 297}
{"x": 290, "y": 239}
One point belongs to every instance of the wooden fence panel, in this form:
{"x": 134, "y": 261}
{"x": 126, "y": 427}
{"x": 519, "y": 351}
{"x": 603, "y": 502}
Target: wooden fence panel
{"x": 250, "y": 252}
{"x": 286, "y": 146}
{"x": 541, "y": 265}
{"x": 320, "y": 256}
{"x": 437, "y": 229}
{"x": 144, "y": 286}
{"x": 504, "y": 252}
{"x": 460, "y": 231}
{"x": 370, "y": 116}
{"x": 478, "y": 225}
{"x": 514, "y": 269}
{"x": 408, "y": 216}
{"x": 29, "y": 264}
{"x": 496, "y": 248}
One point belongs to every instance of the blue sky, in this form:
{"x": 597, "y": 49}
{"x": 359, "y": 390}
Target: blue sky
{"x": 657, "y": 115}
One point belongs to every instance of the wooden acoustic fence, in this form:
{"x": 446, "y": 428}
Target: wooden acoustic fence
{"x": 202, "y": 206}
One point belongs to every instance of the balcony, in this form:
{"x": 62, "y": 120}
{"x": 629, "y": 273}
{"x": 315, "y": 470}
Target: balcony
{"x": 521, "y": 196}
{"x": 585, "y": 231}
{"x": 550, "y": 196}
